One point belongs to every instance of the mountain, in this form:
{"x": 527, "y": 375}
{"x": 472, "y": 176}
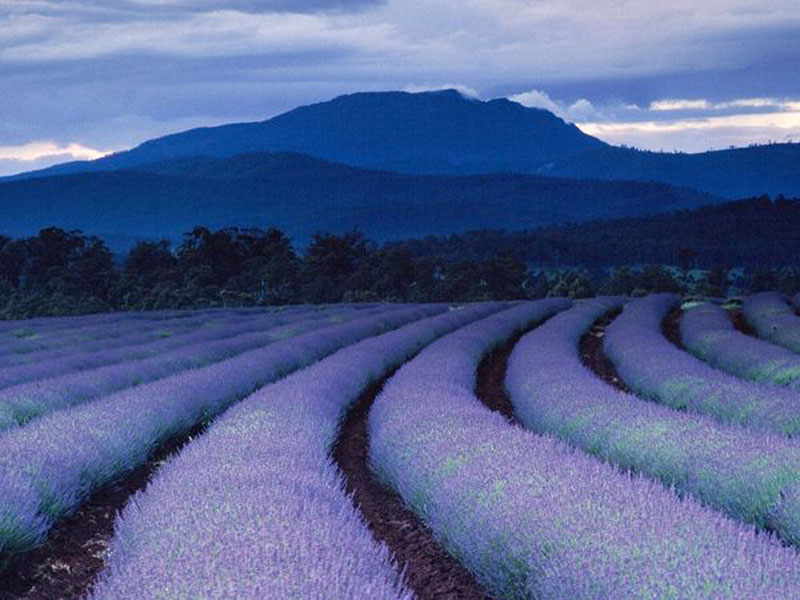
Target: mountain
{"x": 445, "y": 132}
{"x": 303, "y": 195}
{"x": 430, "y": 132}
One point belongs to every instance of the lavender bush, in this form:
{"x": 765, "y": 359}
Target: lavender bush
{"x": 45, "y": 338}
{"x": 52, "y": 363}
{"x": 50, "y": 466}
{"x": 659, "y": 371}
{"x": 707, "y": 333}
{"x": 743, "y": 473}
{"x": 773, "y": 319}
{"x": 22, "y": 327}
{"x": 20, "y": 342}
{"x": 289, "y": 530}
{"x": 31, "y": 400}
{"x": 533, "y": 518}
{"x": 149, "y": 331}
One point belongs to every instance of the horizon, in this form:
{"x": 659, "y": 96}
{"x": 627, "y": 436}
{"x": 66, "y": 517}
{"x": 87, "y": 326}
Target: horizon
{"x": 91, "y": 78}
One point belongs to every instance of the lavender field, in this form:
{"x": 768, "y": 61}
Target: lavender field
{"x": 616, "y": 448}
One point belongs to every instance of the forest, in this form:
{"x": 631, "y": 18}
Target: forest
{"x": 59, "y": 272}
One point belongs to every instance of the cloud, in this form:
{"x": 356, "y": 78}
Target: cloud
{"x": 212, "y": 34}
{"x": 110, "y": 8}
{"x": 700, "y": 134}
{"x": 680, "y": 105}
{"x": 580, "y": 110}
{"x": 256, "y": 6}
{"x": 76, "y": 69}
{"x": 462, "y": 89}
{"x": 702, "y": 104}
{"x": 33, "y": 151}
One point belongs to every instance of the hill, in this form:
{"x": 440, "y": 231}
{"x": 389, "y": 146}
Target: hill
{"x": 302, "y": 195}
{"x": 754, "y": 232}
{"x": 445, "y": 132}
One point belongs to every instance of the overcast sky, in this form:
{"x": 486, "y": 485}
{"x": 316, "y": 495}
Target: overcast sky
{"x": 79, "y": 78}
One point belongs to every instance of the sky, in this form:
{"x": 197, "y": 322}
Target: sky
{"x": 81, "y": 78}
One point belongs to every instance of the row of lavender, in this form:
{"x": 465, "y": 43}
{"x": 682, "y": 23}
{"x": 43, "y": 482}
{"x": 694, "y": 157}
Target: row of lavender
{"x": 18, "y": 344}
{"x": 48, "y": 467}
{"x": 18, "y": 328}
{"x": 774, "y": 319}
{"x": 532, "y": 517}
{"x": 709, "y": 334}
{"x": 145, "y": 332}
{"x": 658, "y": 370}
{"x": 751, "y": 476}
{"x": 147, "y": 342}
{"x": 44, "y": 337}
{"x": 272, "y": 500}
{"x": 49, "y": 391}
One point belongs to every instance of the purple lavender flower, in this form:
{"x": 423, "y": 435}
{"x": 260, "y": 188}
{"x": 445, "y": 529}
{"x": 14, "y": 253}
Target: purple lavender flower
{"x": 532, "y": 517}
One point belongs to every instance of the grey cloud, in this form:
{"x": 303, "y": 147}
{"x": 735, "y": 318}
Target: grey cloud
{"x": 111, "y": 73}
{"x": 108, "y": 9}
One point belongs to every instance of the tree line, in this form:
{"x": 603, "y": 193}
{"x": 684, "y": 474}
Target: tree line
{"x": 58, "y": 272}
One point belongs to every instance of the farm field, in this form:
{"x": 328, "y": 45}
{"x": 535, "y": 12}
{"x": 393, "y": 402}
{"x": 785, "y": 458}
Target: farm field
{"x": 611, "y": 447}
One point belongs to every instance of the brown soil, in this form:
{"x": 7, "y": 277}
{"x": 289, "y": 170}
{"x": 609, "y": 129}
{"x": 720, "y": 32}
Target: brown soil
{"x": 740, "y": 323}
{"x": 66, "y": 565}
{"x": 594, "y": 357}
{"x": 671, "y": 327}
{"x": 428, "y": 569}
{"x": 490, "y": 387}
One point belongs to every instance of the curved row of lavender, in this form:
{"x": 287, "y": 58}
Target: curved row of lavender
{"x": 22, "y": 327}
{"x": 744, "y": 473}
{"x": 147, "y": 332}
{"x": 50, "y": 466}
{"x": 55, "y": 363}
{"x": 773, "y": 319}
{"x": 657, "y": 370}
{"x": 289, "y": 530}
{"x": 709, "y": 334}
{"x": 534, "y": 518}
{"x": 22, "y": 403}
{"x": 46, "y": 339}
{"x": 26, "y": 342}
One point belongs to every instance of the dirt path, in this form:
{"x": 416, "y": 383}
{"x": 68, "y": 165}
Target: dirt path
{"x": 490, "y": 385}
{"x": 671, "y": 327}
{"x": 429, "y": 570}
{"x": 594, "y": 357}
{"x": 65, "y": 566}
{"x": 740, "y": 322}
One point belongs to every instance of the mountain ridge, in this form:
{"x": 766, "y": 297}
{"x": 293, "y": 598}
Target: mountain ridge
{"x": 303, "y": 195}
{"x": 445, "y": 132}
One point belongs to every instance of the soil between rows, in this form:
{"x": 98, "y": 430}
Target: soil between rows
{"x": 594, "y": 357}
{"x": 66, "y": 565}
{"x": 671, "y": 328}
{"x": 740, "y": 322}
{"x": 429, "y": 571}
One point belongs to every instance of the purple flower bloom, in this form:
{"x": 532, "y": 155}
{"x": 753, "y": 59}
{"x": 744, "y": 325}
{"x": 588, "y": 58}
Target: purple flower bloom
{"x": 255, "y": 507}
{"x": 773, "y": 319}
{"x": 659, "y": 371}
{"x": 532, "y": 517}
{"x": 48, "y": 467}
